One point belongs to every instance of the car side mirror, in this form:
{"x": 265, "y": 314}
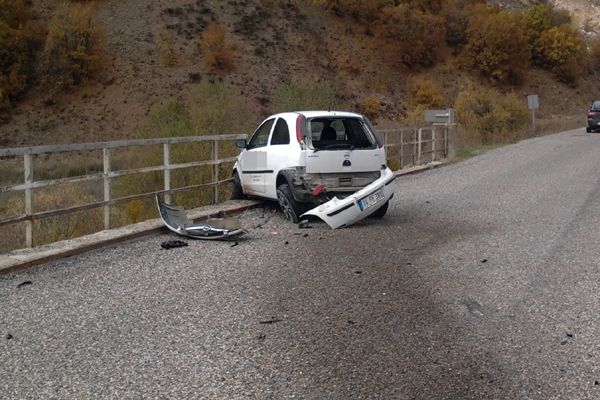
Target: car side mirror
{"x": 241, "y": 143}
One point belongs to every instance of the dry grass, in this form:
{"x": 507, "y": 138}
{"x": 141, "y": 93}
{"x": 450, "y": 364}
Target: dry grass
{"x": 218, "y": 51}
{"x": 165, "y": 42}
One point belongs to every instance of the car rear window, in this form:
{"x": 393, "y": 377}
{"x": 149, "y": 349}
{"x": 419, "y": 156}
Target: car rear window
{"x": 596, "y": 106}
{"x": 340, "y": 133}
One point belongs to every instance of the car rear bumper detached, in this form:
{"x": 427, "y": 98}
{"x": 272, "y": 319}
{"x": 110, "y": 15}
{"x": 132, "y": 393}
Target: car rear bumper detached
{"x": 337, "y": 213}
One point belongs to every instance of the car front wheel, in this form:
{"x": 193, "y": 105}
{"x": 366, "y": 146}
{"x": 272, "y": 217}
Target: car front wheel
{"x": 237, "y": 193}
{"x": 290, "y": 207}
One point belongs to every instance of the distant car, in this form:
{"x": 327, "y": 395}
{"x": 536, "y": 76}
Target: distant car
{"x": 593, "y": 117}
{"x": 308, "y": 158}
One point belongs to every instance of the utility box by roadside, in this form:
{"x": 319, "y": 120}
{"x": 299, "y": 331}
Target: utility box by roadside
{"x": 445, "y": 120}
{"x": 440, "y": 116}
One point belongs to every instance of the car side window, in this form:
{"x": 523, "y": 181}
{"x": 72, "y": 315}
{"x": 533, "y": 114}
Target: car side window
{"x": 261, "y": 136}
{"x": 281, "y": 133}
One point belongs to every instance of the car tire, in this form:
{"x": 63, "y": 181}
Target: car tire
{"x": 237, "y": 193}
{"x": 380, "y": 212}
{"x": 292, "y": 210}
{"x": 588, "y": 129}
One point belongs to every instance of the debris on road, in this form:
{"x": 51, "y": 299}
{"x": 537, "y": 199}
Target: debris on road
{"x": 213, "y": 228}
{"x": 172, "y": 244}
{"x": 270, "y": 321}
{"x": 304, "y": 224}
{"x": 484, "y": 261}
{"x": 9, "y": 336}
{"x": 235, "y": 244}
{"x": 24, "y": 283}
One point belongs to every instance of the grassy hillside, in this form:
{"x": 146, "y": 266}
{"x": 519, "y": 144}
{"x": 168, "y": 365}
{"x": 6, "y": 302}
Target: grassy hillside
{"x": 153, "y": 54}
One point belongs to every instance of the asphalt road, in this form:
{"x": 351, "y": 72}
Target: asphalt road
{"x": 482, "y": 282}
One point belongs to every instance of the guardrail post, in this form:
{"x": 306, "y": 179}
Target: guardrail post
{"x": 419, "y": 145}
{"x": 106, "y": 178}
{"x": 28, "y": 172}
{"x": 433, "y": 144}
{"x": 386, "y": 147}
{"x": 215, "y": 157}
{"x": 167, "y": 171}
{"x": 401, "y": 144}
{"x": 446, "y": 141}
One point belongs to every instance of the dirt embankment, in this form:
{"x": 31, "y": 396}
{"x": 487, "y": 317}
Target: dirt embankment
{"x": 277, "y": 42}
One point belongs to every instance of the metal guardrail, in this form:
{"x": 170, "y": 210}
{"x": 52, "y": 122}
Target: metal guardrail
{"x": 407, "y": 145}
{"x": 107, "y": 175}
{"x": 423, "y": 144}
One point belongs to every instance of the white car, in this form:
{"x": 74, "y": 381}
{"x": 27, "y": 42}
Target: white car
{"x": 328, "y": 164}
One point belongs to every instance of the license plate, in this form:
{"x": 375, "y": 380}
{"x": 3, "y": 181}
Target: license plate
{"x": 371, "y": 200}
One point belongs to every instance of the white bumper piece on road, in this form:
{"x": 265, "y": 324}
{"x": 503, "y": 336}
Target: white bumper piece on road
{"x": 213, "y": 228}
{"x": 347, "y": 211}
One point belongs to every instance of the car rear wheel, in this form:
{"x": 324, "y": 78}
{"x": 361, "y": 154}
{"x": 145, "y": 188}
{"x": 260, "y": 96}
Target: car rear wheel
{"x": 380, "y": 211}
{"x": 588, "y": 129}
{"x": 237, "y": 193}
{"x": 290, "y": 207}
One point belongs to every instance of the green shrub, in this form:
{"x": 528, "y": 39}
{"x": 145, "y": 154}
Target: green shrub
{"x": 170, "y": 119}
{"x": 20, "y": 39}
{"x": 486, "y": 116}
{"x": 497, "y": 45}
{"x": 539, "y": 19}
{"x": 415, "y": 36}
{"x": 217, "y": 109}
{"x": 213, "y": 109}
{"x": 304, "y": 95}
{"x": 74, "y": 46}
{"x": 563, "y": 52}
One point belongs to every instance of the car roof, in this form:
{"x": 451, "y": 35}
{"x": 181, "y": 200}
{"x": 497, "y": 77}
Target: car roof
{"x": 321, "y": 114}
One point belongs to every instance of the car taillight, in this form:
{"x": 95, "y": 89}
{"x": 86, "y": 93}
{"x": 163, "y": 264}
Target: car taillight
{"x": 593, "y": 114}
{"x": 300, "y": 127}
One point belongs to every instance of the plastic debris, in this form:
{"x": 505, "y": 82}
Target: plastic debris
{"x": 271, "y": 321}
{"x": 304, "y": 224}
{"x": 213, "y": 228}
{"x": 24, "y": 283}
{"x": 172, "y": 244}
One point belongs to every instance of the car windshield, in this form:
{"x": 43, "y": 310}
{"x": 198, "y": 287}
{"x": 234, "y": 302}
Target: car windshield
{"x": 331, "y": 133}
{"x": 596, "y": 106}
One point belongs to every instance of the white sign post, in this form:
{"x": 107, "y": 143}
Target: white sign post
{"x": 533, "y": 102}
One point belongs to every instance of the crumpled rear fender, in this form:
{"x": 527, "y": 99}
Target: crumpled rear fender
{"x": 344, "y": 212}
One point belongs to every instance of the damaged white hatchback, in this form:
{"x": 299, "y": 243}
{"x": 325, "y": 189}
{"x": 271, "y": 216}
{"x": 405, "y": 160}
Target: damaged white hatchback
{"x": 328, "y": 164}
